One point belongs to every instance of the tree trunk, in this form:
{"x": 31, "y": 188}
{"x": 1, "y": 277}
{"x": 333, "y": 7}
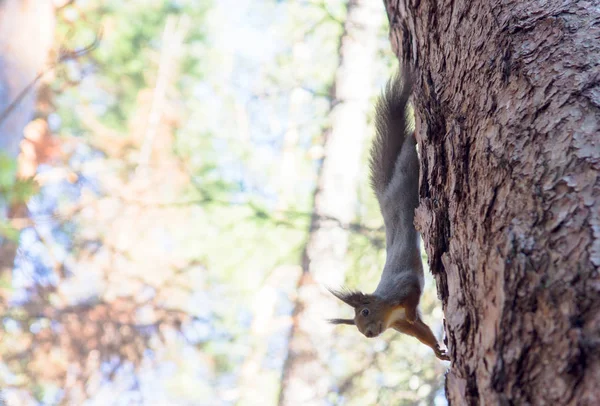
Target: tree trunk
{"x": 306, "y": 377}
{"x": 508, "y": 109}
{"x": 26, "y": 36}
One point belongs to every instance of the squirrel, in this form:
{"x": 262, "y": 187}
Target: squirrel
{"x": 394, "y": 167}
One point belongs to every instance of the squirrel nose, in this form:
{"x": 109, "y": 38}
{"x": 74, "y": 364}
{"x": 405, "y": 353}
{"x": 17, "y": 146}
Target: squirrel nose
{"x": 369, "y": 333}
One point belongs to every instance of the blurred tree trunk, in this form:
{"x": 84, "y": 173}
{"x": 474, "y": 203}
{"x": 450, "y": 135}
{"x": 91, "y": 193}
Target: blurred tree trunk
{"x": 288, "y": 166}
{"x": 306, "y": 376}
{"x": 508, "y": 107}
{"x": 26, "y": 37}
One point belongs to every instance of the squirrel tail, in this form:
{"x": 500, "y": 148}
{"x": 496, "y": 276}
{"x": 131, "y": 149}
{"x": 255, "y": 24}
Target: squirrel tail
{"x": 391, "y": 130}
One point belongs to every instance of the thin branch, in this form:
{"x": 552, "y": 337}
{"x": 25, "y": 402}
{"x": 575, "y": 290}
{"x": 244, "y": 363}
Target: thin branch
{"x": 65, "y": 5}
{"x": 64, "y": 55}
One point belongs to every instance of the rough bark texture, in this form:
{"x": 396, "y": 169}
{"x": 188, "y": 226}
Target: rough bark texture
{"x": 307, "y": 378}
{"x": 508, "y": 111}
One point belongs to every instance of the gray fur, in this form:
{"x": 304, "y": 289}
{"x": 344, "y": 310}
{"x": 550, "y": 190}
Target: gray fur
{"x": 391, "y": 129}
{"x": 395, "y": 180}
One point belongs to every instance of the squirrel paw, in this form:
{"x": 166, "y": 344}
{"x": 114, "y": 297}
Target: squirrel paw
{"x": 441, "y": 354}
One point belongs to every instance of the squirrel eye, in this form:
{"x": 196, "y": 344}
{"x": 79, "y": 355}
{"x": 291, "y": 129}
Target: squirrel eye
{"x": 365, "y": 312}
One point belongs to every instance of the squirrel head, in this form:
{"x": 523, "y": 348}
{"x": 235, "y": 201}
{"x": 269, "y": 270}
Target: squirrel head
{"x": 372, "y": 315}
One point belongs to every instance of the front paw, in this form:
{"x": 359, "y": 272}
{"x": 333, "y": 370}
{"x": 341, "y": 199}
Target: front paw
{"x": 441, "y": 354}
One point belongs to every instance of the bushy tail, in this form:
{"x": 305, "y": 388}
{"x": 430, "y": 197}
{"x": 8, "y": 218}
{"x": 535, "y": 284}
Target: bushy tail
{"x": 392, "y": 129}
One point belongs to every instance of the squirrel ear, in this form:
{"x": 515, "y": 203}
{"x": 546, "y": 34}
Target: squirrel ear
{"x": 352, "y": 298}
{"x": 341, "y": 321}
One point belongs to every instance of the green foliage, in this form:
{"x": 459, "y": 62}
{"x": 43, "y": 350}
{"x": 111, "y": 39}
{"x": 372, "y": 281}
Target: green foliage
{"x": 127, "y": 57}
{"x": 12, "y": 191}
{"x": 8, "y": 232}
{"x": 8, "y": 171}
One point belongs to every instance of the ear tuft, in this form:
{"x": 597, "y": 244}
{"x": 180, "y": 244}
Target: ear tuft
{"x": 341, "y": 321}
{"x": 352, "y": 298}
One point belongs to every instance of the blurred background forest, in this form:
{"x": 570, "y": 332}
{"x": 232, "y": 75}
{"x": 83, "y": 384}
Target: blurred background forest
{"x": 188, "y": 186}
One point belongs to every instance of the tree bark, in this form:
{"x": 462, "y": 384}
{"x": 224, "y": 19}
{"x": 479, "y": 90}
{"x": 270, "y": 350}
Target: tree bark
{"x": 508, "y": 112}
{"x": 306, "y": 377}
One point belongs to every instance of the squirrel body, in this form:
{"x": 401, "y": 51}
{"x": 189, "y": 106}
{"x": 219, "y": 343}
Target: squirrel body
{"x": 394, "y": 166}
